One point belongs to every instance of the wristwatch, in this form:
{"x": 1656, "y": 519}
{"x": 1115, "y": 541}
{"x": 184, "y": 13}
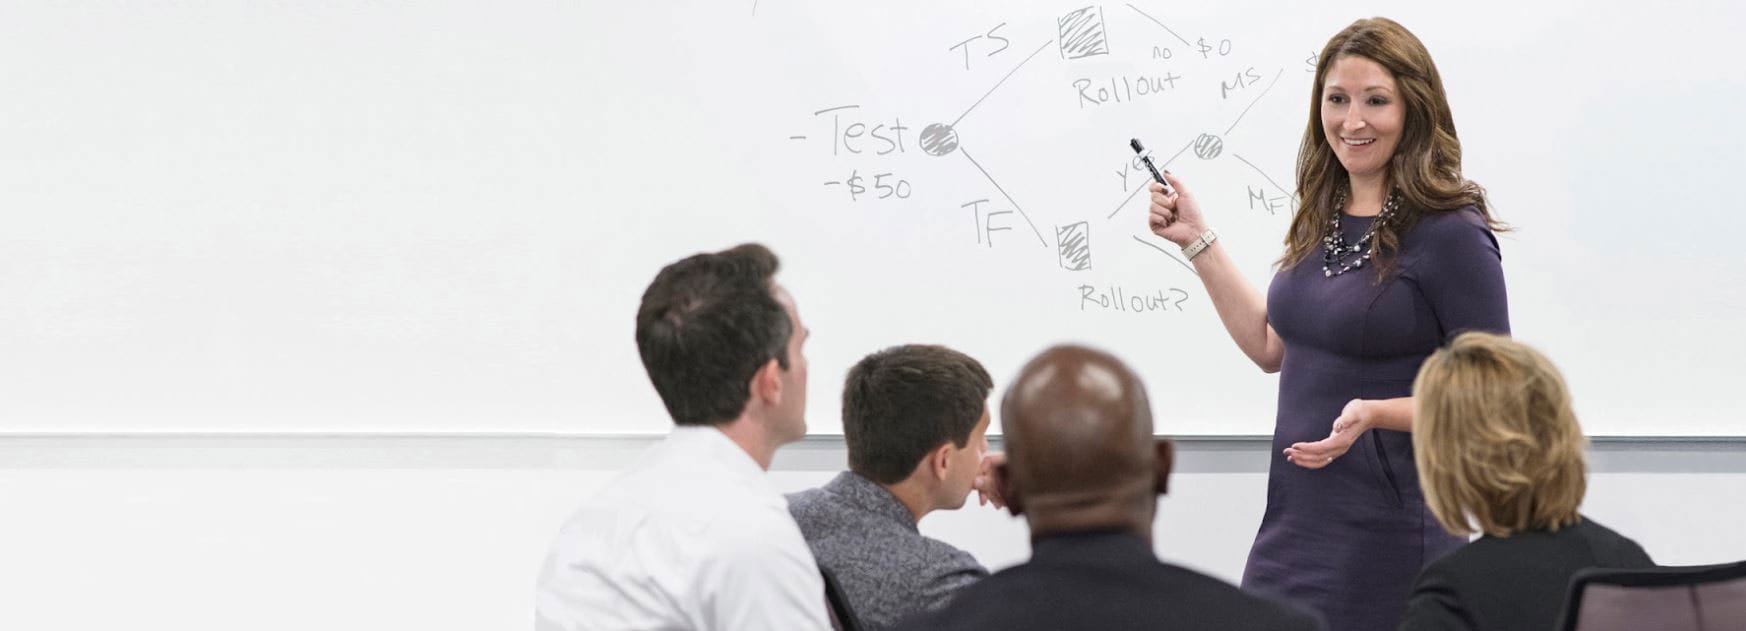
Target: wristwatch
{"x": 1206, "y": 238}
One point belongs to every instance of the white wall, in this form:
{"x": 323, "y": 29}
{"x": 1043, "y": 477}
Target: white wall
{"x": 439, "y": 533}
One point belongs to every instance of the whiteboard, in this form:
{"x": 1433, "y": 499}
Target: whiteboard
{"x": 439, "y": 216}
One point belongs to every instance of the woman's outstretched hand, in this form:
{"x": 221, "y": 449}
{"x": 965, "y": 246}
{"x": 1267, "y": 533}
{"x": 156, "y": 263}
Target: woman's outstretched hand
{"x": 1351, "y": 424}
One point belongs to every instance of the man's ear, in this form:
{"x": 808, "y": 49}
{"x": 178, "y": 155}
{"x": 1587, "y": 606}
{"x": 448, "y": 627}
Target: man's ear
{"x": 767, "y": 383}
{"x": 1009, "y": 490}
{"x": 1162, "y": 461}
{"x": 939, "y": 459}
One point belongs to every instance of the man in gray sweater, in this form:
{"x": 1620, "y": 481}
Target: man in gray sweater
{"x": 915, "y": 419}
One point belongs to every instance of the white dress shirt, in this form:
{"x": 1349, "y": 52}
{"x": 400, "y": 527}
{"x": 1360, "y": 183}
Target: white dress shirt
{"x": 693, "y": 537}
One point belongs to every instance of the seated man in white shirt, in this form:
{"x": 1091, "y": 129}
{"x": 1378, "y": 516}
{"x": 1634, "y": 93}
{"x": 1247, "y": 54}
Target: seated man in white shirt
{"x": 694, "y": 536}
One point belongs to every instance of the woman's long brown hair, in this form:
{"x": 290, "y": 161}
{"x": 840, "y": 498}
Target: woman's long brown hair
{"x": 1426, "y": 166}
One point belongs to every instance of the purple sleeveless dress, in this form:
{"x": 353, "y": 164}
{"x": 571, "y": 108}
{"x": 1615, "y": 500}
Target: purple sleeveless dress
{"x": 1348, "y": 540}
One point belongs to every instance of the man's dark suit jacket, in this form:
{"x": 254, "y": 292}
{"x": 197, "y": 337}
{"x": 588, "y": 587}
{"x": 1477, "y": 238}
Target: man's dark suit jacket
{"x": 1514, "y": 582}
{"x": 1108, "y": 582}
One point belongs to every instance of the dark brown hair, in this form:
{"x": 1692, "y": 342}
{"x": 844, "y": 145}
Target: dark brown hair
{"x": 706, "y": 325}
{"x": 905, "y": 401}
{"x": 1425, "y": 167}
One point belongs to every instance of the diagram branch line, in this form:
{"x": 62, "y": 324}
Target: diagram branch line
{"x": 1001, "y": 82}
{"x": 1165, "y": 252}
{"x": 1174, "y": 156}
{"x": 1262, "y": 174}
{"x": 1009, "y": 199}
{"x": 1263, "y": 93}
{"x": 1160, "y": 24}
{"x": 1124, "y": 203}
{"x": 1136, "y": 191}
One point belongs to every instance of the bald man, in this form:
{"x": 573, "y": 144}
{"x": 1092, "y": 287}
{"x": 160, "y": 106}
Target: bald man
{"x": 1085, "y": 471}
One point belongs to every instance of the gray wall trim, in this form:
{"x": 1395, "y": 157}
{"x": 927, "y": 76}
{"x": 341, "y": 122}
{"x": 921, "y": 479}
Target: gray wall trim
{"x": 216, "y": 450}
{"x": 8, "y": 436}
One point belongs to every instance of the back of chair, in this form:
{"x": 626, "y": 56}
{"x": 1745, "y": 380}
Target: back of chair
{"x": 1701, "y": 598}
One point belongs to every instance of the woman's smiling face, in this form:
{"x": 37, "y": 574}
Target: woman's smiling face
{"x": 1362, "y": 115}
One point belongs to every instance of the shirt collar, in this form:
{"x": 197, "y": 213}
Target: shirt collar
{"x": 1099, "y": 545}
{"x": 706, "y": 441}
{"x": 869, "y": 496}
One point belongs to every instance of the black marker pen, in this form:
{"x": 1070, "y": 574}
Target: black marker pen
{"x": 1146, "y": 157}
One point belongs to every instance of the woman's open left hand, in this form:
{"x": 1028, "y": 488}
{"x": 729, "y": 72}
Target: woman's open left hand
{"x": 1347, "y": 428}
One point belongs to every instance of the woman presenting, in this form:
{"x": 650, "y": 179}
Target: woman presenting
{"x": 1390, "y": 254}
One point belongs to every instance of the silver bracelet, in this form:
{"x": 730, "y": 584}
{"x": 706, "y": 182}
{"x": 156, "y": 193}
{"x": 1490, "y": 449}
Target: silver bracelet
{"x": 1194, "y": 249}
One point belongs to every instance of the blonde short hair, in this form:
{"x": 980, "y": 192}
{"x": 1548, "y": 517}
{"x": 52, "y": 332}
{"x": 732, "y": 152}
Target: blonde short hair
{"x": 1497, "y": 445}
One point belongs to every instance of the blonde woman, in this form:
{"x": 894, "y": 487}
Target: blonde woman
{"x": 1499, "y": 452}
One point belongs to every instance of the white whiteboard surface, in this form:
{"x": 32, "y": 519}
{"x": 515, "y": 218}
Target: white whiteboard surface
{"x": 439, "y": 216}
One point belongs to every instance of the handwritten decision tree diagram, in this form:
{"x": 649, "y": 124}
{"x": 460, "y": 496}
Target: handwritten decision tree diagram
{"x": 1080, "y": 34}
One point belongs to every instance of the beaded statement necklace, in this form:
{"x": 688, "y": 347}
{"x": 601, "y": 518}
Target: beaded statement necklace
{"x": 1338, "y": 257}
